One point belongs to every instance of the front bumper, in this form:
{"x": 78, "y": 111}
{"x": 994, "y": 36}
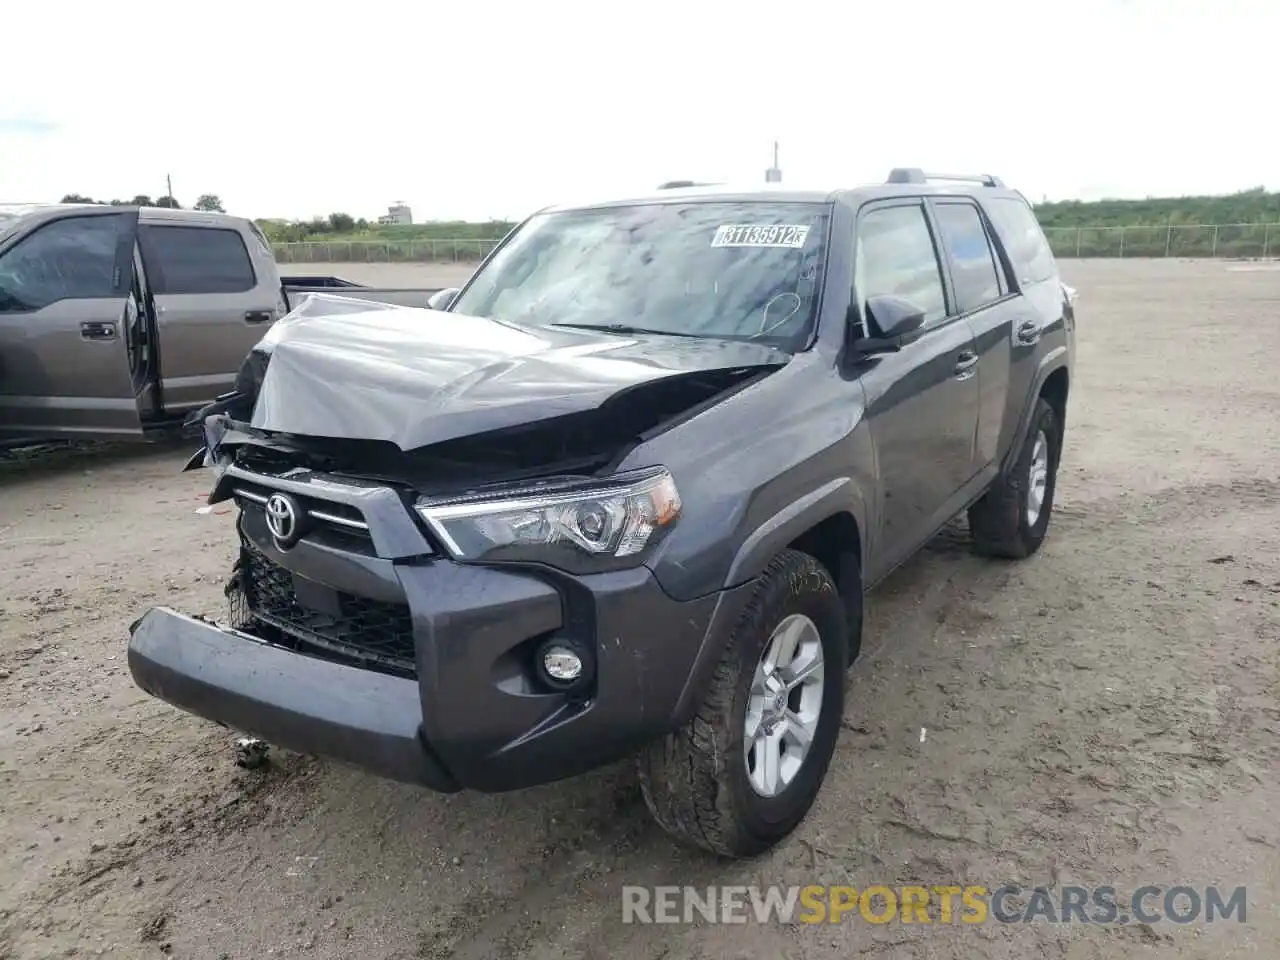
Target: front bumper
{"x": 471, "y": 718}
{"x": 298, "y": 702}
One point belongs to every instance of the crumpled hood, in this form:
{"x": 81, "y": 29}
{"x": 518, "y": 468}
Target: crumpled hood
{"x": 415, "y": 377}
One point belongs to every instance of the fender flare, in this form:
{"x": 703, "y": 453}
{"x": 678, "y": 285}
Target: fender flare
{"x": 1054, "y": 360}
{"x": 837, "y": 496}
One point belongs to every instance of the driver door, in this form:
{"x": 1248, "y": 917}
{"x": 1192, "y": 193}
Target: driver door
{"x": 922, "y": 401}
{"x": 68, "y": 318}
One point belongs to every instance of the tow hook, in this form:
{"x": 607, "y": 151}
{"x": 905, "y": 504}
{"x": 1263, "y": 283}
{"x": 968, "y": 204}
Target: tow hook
{"x": 251, "y": 753}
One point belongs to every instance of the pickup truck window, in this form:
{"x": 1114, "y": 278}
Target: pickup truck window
{"x": 68, "y": 259}
{"x": 895, "y": 255}
{"x": 195, "y": 259}
{"x": 748, "y": 270}
{"x": 973, "y": 265}
{"x": 1023, "y": 239}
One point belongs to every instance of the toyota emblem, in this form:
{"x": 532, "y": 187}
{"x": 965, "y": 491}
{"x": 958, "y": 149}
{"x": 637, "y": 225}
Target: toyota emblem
{"x": 283, "y": 519}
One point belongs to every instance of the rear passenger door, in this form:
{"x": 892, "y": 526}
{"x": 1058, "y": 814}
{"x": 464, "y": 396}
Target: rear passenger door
{"x": 983, "y": 299}
{"x": 209, "y": 311}
{"x": 922, "y": 402}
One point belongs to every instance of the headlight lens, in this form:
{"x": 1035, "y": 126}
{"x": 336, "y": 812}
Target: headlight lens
{"x": 606, "y": 525}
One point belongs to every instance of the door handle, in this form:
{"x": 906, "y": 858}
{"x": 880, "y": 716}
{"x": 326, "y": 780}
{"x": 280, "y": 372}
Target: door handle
{"x": 1028, "y": 332}
{"x": 965, "y": 364}
{"x": 257, "y": 316}
{"x": 97, "y": 330}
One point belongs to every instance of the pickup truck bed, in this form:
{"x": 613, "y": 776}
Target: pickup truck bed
{"x": 296, "y": 287}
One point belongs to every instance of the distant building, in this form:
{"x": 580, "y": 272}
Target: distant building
{"x": 398, "y": 213}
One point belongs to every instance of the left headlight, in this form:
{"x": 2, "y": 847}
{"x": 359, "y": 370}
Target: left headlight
{"x": 606, "y": 525}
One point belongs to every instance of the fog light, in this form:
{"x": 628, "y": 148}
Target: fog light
{"x": 562, "y": 664}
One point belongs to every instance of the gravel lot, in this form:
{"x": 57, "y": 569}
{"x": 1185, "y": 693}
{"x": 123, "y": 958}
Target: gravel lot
{"x": 1106, "y": 712}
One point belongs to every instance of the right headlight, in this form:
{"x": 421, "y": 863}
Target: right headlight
{"x": 605, "y": 525}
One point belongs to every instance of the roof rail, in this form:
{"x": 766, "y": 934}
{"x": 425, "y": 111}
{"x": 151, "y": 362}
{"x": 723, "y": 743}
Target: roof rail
{"x": 916, "y": 175}
{"x": 677, "y": 184}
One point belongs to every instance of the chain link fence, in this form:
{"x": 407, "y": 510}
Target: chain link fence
{"x": 385, "y": 251}
{"x": 1192, "y": 240}
{"x": 1182, "y": 240}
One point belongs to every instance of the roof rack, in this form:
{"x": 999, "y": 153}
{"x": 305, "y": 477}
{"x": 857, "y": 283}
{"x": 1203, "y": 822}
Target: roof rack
{"x": 916, "y": 175}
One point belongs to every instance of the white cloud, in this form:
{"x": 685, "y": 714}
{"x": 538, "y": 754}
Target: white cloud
{"x": 292, "y": 109}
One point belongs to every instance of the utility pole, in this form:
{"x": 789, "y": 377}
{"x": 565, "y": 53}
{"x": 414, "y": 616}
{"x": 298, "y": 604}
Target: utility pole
{"x": 774, "y": 173}
{"x": 168, "y": 184}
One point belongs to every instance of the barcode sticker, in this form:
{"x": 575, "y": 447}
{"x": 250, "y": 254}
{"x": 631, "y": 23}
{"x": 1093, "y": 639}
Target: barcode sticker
{"x": 791, "y": 235}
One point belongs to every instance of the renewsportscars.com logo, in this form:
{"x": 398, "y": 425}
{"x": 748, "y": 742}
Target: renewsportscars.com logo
{"x": 945, "y": 904}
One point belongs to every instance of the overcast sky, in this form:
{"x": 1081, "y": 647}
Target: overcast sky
{"x": 491, "y": 109}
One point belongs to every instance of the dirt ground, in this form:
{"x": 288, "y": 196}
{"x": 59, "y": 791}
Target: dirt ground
{"x": 1104, "y": 713}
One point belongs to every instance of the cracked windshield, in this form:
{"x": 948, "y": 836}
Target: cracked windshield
{"x": 746, "y": 271}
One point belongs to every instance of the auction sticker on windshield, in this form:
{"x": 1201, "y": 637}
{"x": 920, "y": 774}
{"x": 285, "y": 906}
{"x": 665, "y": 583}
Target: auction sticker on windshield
{"x": 791, "y": 235}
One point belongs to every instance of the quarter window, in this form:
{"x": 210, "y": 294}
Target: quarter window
{"x": 69, "y": 259}
{"x": 1023, "y": 239}
{"x": 896, "y": 255}
{"x": 973, "y": 267}
{"x": 196, "y": 260}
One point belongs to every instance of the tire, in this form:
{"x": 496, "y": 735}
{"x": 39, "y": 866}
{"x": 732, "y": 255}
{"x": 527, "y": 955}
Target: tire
{"x": 1000, "y": 523}
{"x": 696, "y": 781}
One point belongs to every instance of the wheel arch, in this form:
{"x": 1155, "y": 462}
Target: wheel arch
{"x": 816, "y": 524}
{"x": 1052, "y": 382}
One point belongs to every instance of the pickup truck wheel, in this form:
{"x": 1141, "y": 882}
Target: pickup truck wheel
{"x": 743, "y": 774}
{"x": 1012, "y": 517}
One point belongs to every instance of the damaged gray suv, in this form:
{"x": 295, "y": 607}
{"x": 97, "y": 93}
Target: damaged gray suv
{"x": 621, "y": 495}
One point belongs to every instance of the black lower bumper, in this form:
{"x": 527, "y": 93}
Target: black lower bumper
{"x": 472, "y": 715}
{"x": 298, "y": 702}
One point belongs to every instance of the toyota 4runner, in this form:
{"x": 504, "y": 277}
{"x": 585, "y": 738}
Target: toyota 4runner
{"x": 623, "y": 492}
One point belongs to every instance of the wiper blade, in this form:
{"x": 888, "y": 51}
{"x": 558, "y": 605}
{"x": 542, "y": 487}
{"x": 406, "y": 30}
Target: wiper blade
{"x": 628, "y": 328}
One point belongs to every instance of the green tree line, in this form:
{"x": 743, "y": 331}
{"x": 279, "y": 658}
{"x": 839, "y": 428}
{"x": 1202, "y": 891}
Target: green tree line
{"x": 206, "y": 201}
{"x": 1255, "y": 205}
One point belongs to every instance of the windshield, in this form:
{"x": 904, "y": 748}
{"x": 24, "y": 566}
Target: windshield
{"x": 748, "y": 270}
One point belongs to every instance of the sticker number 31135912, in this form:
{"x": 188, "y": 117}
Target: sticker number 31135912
{"x": 756, "y": 235}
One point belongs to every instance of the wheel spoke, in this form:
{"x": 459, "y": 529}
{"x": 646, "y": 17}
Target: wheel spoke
{"x": 809, "y": 670}
{"x": 800, "y": 731}
{"x": 782, "y": 647}
{"x": 769, "y": 763}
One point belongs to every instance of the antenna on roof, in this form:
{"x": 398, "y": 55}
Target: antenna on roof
{"x": 774, "y": 173}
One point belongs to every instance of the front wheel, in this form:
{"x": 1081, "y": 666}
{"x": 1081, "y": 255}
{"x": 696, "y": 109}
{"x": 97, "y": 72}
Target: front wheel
{"x": 743, "y": 774}
{"x": 1013, "y": 516}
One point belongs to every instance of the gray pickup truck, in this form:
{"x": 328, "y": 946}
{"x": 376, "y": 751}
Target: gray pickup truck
{"x": 118, "y": 322}
{"x": 624, "y": 494}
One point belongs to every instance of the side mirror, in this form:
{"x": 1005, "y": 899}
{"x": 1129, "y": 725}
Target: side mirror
{"x": 896, "y": 321}
{"x": 441, "y": 299}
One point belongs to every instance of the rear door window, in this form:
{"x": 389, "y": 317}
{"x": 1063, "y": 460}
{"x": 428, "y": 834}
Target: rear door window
{"x": 196, "y": 259}
{"x": 69, "y": 259}
{"x": 896, "y": 255}
{"x": 1023, "y": 240}
{"x": 973, "y": 264}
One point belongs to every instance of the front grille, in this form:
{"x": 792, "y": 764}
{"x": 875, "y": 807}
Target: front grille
{"x": 329, "y": 519}
{"x": 368, "y": 633}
